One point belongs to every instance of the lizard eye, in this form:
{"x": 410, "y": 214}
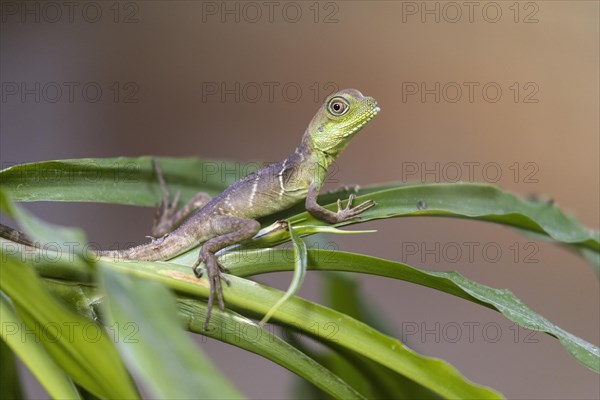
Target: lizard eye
{"x": 338, "y": 106}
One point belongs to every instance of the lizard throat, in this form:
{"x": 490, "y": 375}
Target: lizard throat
{"x": 353, "y": 129}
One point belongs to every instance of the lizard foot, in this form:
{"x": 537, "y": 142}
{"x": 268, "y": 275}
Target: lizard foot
{"x": 348, "y": 213}
{"x": 215, "y": 271}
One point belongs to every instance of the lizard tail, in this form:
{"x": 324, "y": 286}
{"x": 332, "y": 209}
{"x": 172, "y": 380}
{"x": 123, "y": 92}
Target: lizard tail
{"x": 14, "y": 235}
{"x": 158, "y": 249}
{"x": 184, "y": 238}
{"x": 162, "y": 248}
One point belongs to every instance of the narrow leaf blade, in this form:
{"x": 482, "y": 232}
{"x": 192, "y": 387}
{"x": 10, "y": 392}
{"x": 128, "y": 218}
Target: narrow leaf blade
{"x": 33, "y": 354}
{"x": 453, "y": 283}
{"x": 84, "y": 351}
{"x": 160, "y": 353}
{"x": 300, "y": 266}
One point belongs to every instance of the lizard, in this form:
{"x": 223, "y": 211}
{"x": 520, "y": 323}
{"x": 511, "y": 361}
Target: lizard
{"x": 231, "y": 217}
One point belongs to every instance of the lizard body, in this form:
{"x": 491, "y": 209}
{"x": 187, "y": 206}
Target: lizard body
{"x": 231, "y": 216}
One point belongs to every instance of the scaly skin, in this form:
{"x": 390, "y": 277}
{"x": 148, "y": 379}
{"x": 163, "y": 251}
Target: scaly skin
{"x": 231, "y": 217}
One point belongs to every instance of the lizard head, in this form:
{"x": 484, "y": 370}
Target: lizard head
{"x": 340, "y": 118}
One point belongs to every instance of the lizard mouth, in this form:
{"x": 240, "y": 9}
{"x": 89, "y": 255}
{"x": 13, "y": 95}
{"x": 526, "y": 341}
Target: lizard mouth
{"x": 367, "y": 116}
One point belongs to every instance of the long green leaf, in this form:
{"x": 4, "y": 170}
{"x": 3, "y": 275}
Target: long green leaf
{"x": 121, "y": 180}
{"x": 225, "y": 326}
{"x": 10, "y": 384}
{"x": 344, "y": 295}
{"x": 169, "y": 364}
{"x": 465, "y": 200}
{"x": 351, "y": 334}
{"x": 132, "y": 181}
{"x": 432, "y": 373}
{"x": 16, "y": 337}
{"x": 78, "y": 345}
{"x": 261, "y": 261}
{"x": 92, "y": 362}
{"x": 237, "y": 330}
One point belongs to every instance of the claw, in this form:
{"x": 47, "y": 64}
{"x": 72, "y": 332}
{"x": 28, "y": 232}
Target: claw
{"x": 196, "y": 267}
{"x": 197, "y": 270}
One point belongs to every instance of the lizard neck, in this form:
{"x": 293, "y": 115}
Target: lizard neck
{"x": 304, "y": 167}
{"x": 312, "y": 154}
{"x": 309, "y": 163}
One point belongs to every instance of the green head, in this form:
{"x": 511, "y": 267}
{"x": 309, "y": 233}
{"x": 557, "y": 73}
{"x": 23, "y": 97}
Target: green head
{"x": 340, "y": 118}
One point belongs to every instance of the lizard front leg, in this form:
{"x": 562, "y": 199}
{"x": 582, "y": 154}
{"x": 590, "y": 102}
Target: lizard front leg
{"x": 343, "y": 214}
{"x": 167, "y": 217}
{"x": 228, "y": 230}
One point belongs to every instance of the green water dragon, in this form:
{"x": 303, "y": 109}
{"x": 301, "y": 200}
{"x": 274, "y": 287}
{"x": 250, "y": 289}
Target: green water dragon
{"x": 231, "y": 217}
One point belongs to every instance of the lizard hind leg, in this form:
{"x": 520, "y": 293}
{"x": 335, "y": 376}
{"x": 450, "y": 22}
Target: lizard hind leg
{"x": 228, "y": 230}
{"x": 167, "y": 217}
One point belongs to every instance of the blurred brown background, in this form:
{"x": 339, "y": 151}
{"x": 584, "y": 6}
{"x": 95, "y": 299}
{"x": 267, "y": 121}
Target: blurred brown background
{"x": 516, "y": 104}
